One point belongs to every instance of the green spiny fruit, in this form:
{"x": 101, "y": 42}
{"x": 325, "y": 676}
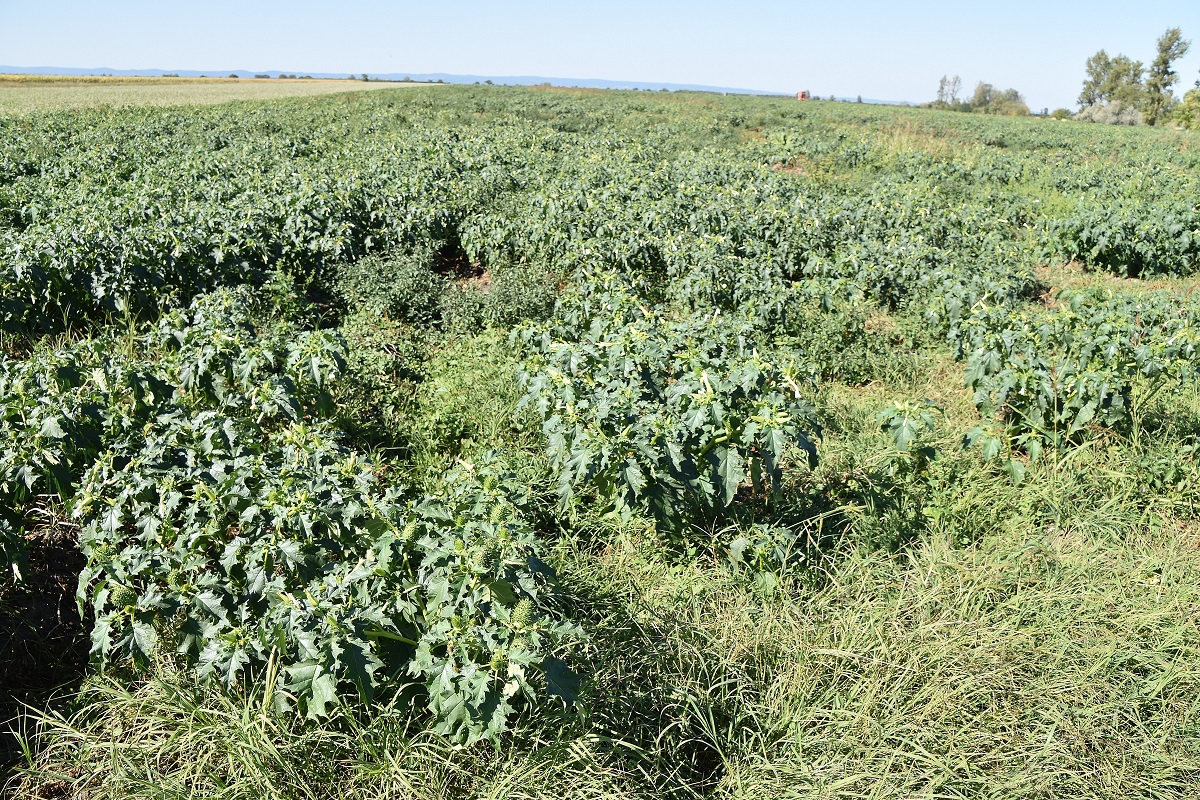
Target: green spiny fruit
{"x": 123, "y": 597}
{"x": 485, "y": 560}
{"x": 520, "y": 643}
{"x": 499, "y": 659}
{"x": 496, "y": 514}
{"x": 104, "y": 552}
{"x": 523, "y": 613}
{"x": 175, "y": 578}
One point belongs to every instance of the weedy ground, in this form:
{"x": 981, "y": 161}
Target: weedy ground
{"x": 1052, "y": 652}
{"x": 946, "y": 633}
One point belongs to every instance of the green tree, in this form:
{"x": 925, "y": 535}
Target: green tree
{"x": 1112, "y": 79}
{"x": 1162, "y": 76}
{"x": 948, "y": 89}
{"x": 990, "y": 100}
{"x": 985, "y": 93}
{"x": 1188, "y": 113}
{"x": 1124, "y": 85}
{"x": 1095, "y": 75}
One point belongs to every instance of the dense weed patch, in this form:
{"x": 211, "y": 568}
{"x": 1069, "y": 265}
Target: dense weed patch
{"x": 525, "y": 443}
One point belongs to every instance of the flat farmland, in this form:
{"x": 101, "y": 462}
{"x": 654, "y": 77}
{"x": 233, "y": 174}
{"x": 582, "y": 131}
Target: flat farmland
{"x": 26, "y": 93}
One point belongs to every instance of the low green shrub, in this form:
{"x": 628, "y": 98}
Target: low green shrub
{"x": 227, "y": 552}
{"x": 385, "y": 365}
{"x": 510, "y": 294}
{"x": 401, "y": 286}
{"x": 670, "y": 416}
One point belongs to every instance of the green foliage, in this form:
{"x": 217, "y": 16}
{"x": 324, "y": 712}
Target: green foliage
{"x": 837, "y": 342}
{"x": 385, "y": 365}
{"x": 907, "y": 422}
{"x": 990, "y": 100}
{"x": 672, "y": 416}
{"x": 697, "y": 677}
{"x": 1188, "y": 113}
{"x": 1092, "y": 359}
{"x": 226, "y": 529}
{"x": 766, "y": 555}
{"x": 1161, "y": 76}
{"x": 986, "y": 99}
{"x": 403, "y": 287}
{"x": 685, "y": 274}
{"x": 466, "y": 403}
{"x": 1132, "y": 237}
{"x": 1116, "y": 79}
{"x": 291, "y": 553}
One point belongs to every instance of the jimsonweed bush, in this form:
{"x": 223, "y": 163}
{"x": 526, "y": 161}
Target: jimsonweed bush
{"x": 672, "y": 416}
{"x": 221, "y": 551}
{"x": 227, "y": 529}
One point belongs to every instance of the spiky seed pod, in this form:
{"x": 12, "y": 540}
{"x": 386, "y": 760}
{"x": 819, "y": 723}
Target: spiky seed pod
{"x": 175, "y": 578}
{"x": 123, "y": 597}
{"x": 523, "y": 614}
{"x": 520, "y": 643}
{"x": 497, "y": 513}
{"x": 409, "y": 531}
{"x": 499, "y": 660}
{"x": 485, "y": 560}
{"x": 104, "y": 551}
{"x": 489, "y": 482}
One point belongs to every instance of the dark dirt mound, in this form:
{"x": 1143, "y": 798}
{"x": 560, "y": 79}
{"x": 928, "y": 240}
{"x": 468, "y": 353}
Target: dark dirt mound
{"x": 43, "y": 643}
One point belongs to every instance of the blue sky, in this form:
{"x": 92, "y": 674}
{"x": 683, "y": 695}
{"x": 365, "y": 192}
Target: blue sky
{"x": 886, "y": 50}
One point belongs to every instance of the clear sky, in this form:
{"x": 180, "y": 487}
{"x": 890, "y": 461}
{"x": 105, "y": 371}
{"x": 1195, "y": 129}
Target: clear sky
{"x": 886, "y": 50}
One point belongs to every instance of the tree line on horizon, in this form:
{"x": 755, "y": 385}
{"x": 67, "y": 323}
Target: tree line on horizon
{"x": 987, "y": 99}
{"x": 1117, "y": 90}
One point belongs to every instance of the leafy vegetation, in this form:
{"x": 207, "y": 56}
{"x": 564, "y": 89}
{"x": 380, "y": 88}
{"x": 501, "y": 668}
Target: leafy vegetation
{"x": 490, "y": 441}
{"x": 987, "y": 99}
{"x": 668, "y": 416}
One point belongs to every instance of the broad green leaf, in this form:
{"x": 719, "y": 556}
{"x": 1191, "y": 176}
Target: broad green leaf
{"x": 732, "y": 470}
{"x": 52, "y": 428}
{"x": 560, "y": 680}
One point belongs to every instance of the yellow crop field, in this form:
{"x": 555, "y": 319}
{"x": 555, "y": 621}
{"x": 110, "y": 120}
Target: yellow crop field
{"x": 25, "y": 93}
